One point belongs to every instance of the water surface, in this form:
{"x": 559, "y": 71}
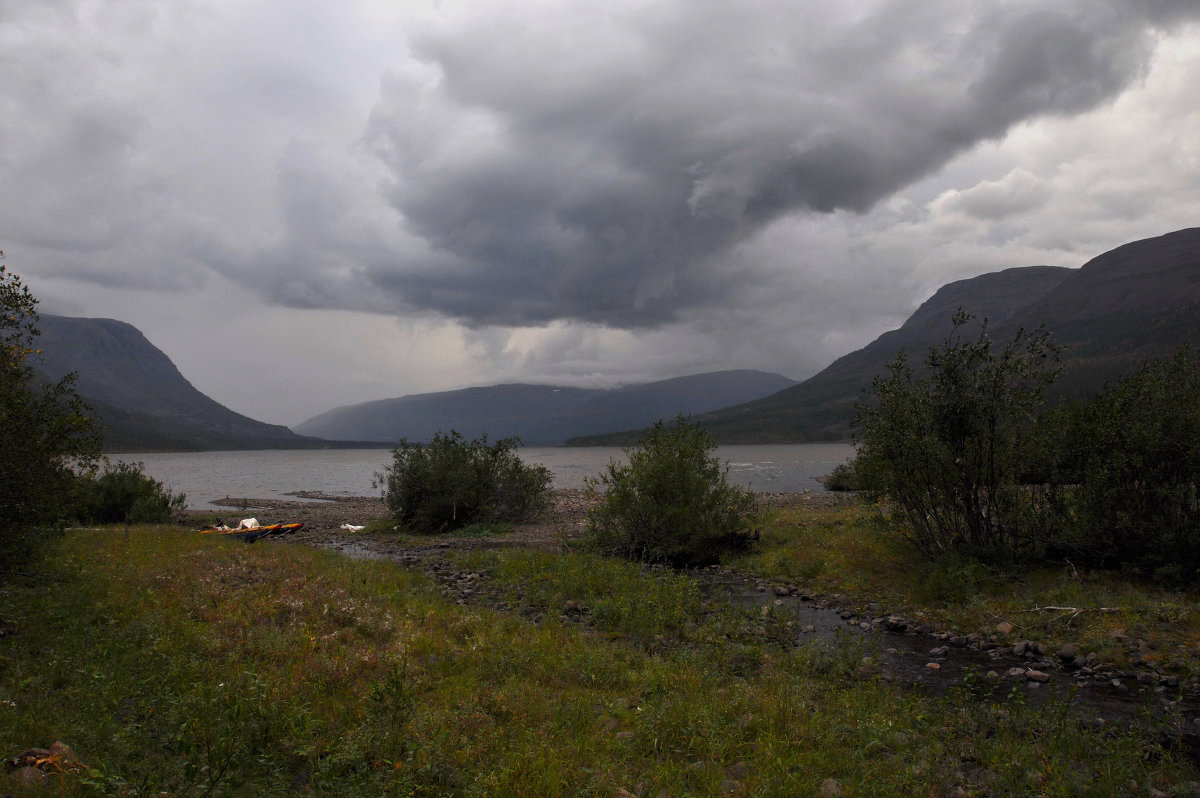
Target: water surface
{"x": 273, "y": 474}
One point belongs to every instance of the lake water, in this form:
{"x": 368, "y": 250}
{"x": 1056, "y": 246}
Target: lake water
{"x": 208, "y": 476}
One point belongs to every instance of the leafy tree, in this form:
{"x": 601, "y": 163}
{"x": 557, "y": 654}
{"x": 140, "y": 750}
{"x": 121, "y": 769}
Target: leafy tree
{"x": 452, "y": 482}
{"x": 945, "y": 447}
{"x": 45, "y": 431}
{"x": 1138, "y": 455}
{"x": 672, "y": 502}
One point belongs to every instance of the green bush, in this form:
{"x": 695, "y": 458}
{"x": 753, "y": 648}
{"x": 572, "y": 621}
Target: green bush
{"x": 672, "y": 502}
{"x": 842, "y": 478}
{"x": 123, "y": 493}
{"x": 945, "y": 448}
{"x": 1138, "y": 501}
{"x": 452, "y": 482}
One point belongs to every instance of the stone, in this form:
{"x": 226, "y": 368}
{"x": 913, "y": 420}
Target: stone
{"x": 1037, "y": 676}
{"x": 30, "y": 776}
{"x": 940, "y": 651}
{"x": 1020, "y": 647}
{"x": 933, "y": 666}
{"x": 830, "y": 789}
{"x": 1013, "y": 673}
{"x": 1004, "y": 628}
{"x": 1068, "y": 653}
{"x": 895, "y": 623}
{"x": 624, "y": 793}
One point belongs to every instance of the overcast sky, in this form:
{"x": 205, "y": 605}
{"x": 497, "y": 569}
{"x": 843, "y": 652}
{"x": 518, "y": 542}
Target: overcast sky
{"x": 309, "y": 203}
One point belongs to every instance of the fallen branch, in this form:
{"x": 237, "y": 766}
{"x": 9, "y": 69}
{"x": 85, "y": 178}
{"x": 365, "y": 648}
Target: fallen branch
{"x": 1073, "y": 612}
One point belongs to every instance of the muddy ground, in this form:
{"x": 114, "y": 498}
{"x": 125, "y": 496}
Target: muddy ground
{"x": 895, "y": 647}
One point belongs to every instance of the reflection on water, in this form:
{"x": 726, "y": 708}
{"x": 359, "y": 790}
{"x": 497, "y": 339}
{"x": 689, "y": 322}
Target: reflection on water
{"x": 208, "y": 476}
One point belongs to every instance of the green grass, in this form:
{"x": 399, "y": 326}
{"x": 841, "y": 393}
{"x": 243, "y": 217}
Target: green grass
{"x": 843, "y": 551}
{"x": 176, "y": 664}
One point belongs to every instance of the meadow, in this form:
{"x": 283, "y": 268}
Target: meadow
{"x": 171, "y": 663}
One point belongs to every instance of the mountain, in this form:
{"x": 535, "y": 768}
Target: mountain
{"x": 1121, "y": 309}
{"x": 541, "y": 415}
{"x": 140, "y": 396}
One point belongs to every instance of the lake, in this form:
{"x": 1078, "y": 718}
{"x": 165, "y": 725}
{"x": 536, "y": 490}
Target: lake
{"x": 207, "y": 476}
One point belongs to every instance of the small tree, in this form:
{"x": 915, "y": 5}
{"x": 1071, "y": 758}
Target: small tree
{"x": 945, "y": 448}
{"x": 451, "y": 482}
{"x": 45, "y": 431}
{"x": 672, "y": 502}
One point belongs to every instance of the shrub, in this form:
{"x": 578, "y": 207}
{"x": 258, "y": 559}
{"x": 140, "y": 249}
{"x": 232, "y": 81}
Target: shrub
{"x": 672, "y": 502}
{"x": 1139, "y": 497}
{"x": 842, "y": 478}
{"x": 123, "y": 493}
{"x": 451, "y": 482}
{"x": 945, "y": 448}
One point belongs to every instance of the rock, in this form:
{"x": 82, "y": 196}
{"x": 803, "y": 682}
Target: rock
{"x": 1020, "y": 647}
{"x": 830, "y": 789}
{"x": 1037, "y": 676}
{"x": 30, "y": 776}
{"x": 895, "y": 623}
{"x": 1004, "y": 628}
{"x": 624, "y": 793}
{"x": 933, "y": 666}
{"x": 940, "y": 651}
{"x": 1013, "y": 673}
{"x": 1068, "y": 653}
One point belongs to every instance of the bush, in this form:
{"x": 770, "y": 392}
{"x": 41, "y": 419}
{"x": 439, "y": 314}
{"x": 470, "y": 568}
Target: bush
{"x": 842, "y": 478}
{"x": 123, "y": 493}
{"x": 1139, "y": 499}
{"x": 451, "y": 482}
{"x": 945, "y": 448}
{"x": 672, "y": 503}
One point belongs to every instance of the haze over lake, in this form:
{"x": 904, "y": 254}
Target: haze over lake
{"x": 274, "y": 474}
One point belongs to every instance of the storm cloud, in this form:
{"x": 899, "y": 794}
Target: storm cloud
{"x": 418, "y": 195}
{"x": 600, "y": 166}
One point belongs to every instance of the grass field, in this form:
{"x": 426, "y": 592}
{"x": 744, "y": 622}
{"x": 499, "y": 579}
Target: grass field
{"x": 173, "y": 664}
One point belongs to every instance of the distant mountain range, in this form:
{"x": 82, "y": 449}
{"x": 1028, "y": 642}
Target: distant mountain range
{"x": 1119, "y": 310}
{"x": 140, "y": 397}
{"x": 541, "y": 415}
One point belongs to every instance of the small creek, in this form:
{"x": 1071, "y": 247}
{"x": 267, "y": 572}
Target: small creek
{"x": 898, "y": 649}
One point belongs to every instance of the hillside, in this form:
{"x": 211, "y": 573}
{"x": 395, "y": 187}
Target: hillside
{"x": 1122, "y": 308}
{"x": 140, "y": 396}
{"x": 541, "y": 415}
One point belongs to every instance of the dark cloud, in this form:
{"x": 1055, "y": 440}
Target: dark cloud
{"x": 600, "y": 167}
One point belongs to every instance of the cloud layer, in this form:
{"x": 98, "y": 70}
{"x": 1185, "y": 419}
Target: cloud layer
{"x": 576, "y": 192}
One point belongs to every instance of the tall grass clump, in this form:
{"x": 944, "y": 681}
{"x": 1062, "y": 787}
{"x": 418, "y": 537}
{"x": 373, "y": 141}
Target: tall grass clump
{"x": 672, "y": 502}
{"x": 451, "y": 482}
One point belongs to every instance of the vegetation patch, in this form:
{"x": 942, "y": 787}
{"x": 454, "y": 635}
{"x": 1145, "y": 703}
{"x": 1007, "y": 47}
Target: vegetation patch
{"x": 451, "y": 482}
{"x": 672, "y": 502}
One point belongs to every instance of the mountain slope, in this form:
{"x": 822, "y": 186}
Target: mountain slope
{"x": 1112, "y": 315}
{"x": 140, "y": 396}
{"x": 541, "y": 415}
